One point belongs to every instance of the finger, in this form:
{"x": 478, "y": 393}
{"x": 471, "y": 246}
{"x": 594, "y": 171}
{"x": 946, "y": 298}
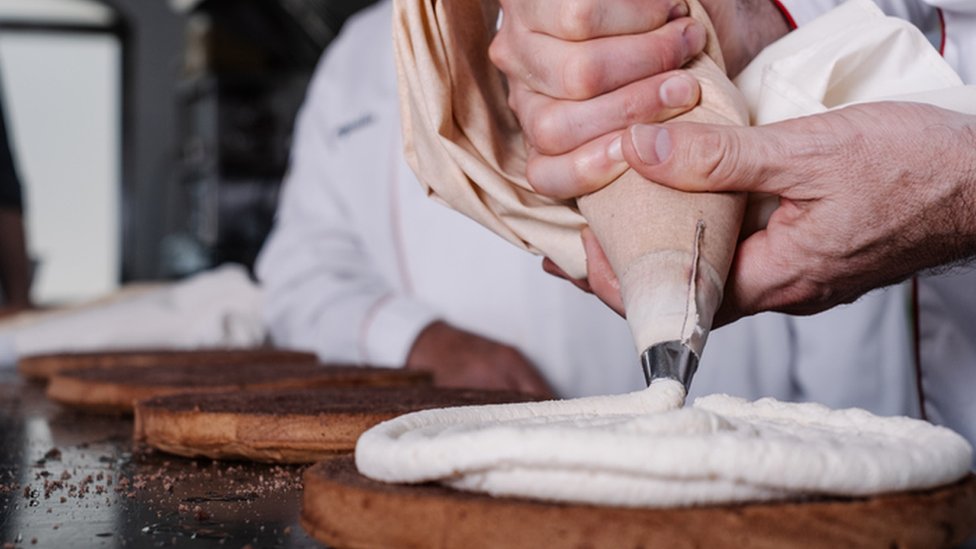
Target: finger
{"x": 581, "y": 171}
{"x": 770, "y": 273}
{"x": 583, "y": 70}
{"x": 585, "y": 19}
{"x": 600, "y": 275}
{"x": 556, "y": 127}
{"x": 550, "y": 267}
{"x": 529, "y": 381}
{"x": 717, "y": 158}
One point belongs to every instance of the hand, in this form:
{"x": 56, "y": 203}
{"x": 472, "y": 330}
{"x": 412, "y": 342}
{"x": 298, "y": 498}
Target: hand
{"x": 458, "y": 358}
{"x": 579, "y": 71}
{"x": 862, "y": 204}
{"x": 744, "y": 28}
{"x": 601, "y": 281}
{"x": 12, "y": 310}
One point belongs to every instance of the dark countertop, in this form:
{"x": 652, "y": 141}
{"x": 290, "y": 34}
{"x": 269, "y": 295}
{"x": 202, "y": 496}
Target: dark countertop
{"x": 69, "y": 479}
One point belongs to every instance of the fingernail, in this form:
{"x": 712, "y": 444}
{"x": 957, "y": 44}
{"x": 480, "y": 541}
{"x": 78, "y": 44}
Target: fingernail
{"x": 694, "y": 37}
{"x": 652, "y": 143}
{"x": 676, "y": 91}
{"x": 679, "y": 10}
{"x": 615, "y": 150}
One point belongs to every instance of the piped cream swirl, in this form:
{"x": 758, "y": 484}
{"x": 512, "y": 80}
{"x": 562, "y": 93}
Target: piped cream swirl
{"x": 645, "y": 449}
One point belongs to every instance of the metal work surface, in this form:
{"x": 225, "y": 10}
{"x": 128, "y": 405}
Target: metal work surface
{"x": 74, "y": 480}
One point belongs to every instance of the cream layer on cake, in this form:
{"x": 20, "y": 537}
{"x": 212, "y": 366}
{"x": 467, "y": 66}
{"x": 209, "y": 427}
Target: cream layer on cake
{"x": 646, "y": 449}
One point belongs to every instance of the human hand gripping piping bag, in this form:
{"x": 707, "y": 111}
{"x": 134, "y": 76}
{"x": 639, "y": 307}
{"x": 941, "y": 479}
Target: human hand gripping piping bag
{"x": 671, "y": 250}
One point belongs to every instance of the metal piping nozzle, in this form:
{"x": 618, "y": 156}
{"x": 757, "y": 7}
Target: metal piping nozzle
{"x": 669, "y": 360}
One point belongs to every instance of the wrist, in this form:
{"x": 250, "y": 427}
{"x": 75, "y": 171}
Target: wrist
{"x": 746, "y": 27}
{"x": 431, "y": 343}
{"x": 969, "y": 181}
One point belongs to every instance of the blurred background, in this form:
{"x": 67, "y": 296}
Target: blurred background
{"x": 151, "y": 136}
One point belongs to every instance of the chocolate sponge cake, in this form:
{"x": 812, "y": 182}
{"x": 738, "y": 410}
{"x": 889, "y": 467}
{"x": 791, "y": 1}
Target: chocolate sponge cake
{"x": 289, "y": 425}
{"x": 345, "y": 509}
{"x": 115, "y": 390}
{"x": 42, "y": 366}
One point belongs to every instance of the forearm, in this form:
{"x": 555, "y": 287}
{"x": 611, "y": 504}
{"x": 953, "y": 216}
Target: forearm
{"x": 458, "y": 358}
{"x": 326, "y": 296}
{"x": 14, "y": 265}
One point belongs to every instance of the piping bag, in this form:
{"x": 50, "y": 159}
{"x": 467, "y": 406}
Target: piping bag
{"x": 671, "y": 250}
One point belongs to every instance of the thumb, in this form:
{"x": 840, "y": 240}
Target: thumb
{"x": 706, "y": 157}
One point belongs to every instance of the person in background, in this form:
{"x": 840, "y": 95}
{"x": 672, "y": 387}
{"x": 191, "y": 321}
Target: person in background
{"x": 870, "y": 194}
{"x": 14, "y": 265}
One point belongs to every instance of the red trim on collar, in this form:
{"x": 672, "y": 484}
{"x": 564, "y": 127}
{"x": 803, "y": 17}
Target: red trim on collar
{"x": 942, "y": 24}
{"x": 787, "y": 15}
{"x": 917, "y": 349}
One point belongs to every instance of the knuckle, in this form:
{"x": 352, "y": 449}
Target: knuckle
{"x": 579, "y": 174}
{"x": 713, "y": 155}
{"x": 816, "y": 295}
{"x": 667, "y": 54}
{"x": 635, "y": 108}
{"x": 577, "y": 19}
{"x": 545, "y": 129}
{"x": 722, "y": 160}
{"x": 582, "y": 75}
{"x": 669, "y": 57}
{"x": 498, "y": 52}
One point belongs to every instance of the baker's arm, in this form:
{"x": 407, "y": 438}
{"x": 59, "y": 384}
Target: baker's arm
{"x": 323, "y": 292}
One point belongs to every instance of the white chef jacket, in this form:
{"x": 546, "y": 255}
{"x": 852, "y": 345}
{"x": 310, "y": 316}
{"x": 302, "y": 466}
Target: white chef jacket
{"x": 360, "y": 261}
{"x": 946, "y": 304}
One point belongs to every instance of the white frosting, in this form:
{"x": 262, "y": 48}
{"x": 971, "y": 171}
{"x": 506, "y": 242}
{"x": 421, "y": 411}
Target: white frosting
{"x": 644, "y": 449}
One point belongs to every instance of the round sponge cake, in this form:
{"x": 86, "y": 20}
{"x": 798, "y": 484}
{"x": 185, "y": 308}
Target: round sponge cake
{"x": 288, "y": 425}
{"x": 115, "y": 390}
{"x": 42, "y": 366}
{"x": 345, "y": 509}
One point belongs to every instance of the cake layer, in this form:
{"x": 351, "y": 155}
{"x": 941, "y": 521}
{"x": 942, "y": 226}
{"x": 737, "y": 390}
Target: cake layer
{"x": 43, "y": 366}
{"x": 287, "y": 426}
{"x": 115, "y": 390}
{"x": 345, "y": 509}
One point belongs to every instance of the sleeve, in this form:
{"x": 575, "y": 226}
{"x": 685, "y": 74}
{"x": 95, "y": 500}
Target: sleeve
{"x": 10, "y": 193}
{"x": 801, "y": 12}
{"x": 322, "y": 290}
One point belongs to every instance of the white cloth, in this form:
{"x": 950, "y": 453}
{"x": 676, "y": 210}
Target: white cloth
{"x": 959, "y": 16}
{"x": 360, "y": 261}
{"x": 218, "y": 308}
{"x": 947, "y": 302}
